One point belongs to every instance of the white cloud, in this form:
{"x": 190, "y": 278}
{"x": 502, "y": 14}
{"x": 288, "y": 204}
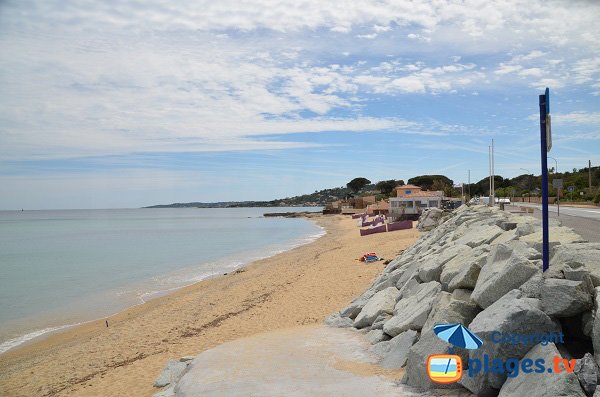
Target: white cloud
{"x": 579, "y": 117}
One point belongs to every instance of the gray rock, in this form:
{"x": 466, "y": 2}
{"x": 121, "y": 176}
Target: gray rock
{"x": 171, "y": 373}
{"x": 399, "y": 346}
{"x": 542, "y": 385}
{"x": 596, "y": 326}
{"x": 575, "y": 256}
{"x": 431, "y": 269}
{"x": 587, "y": 323}
{"x": 357, "y": 304}
{"x": 532, "y": 288}
{"x": 459, "y": 262}
{"x": 429, "y": 219}
{"x": 525, "y": 229}
{"x": 382, "y": 302}
{"x": 559, "y": 234}
{"x": 335, "y": 320}
{"x": 412, "y": 312}
{"x": 380, "y": 320}
{"x": 416, "y": 364}
{"x": 468, "y": 275}
{"x": 409, "y": 288}
{"x": 505, "y": 237}
{"x": 447, "y": 309}
{"x": 565, "y": 298}
{"x": 381, "y": 349}
{"x": 168, "y": 392}
{"x": 504, "y": 270}
{"x": 376, "y": 336}
{"x": 587, "y": 373}
{"x": 480, "y": 235}
{"x": 185, "y": 359}
{"x": 512, "y": 314}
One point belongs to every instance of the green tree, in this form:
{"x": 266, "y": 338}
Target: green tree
{"x": 357, "y": 183}
{"x": 386, "y": 187}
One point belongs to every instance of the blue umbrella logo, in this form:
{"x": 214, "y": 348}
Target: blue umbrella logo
{"x": 458, "y": 335}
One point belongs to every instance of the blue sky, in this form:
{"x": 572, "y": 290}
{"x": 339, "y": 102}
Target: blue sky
{"x": 126, "y": 104}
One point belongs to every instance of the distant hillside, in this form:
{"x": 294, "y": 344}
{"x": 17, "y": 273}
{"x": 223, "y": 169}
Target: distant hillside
{"x": 517, "y": 186}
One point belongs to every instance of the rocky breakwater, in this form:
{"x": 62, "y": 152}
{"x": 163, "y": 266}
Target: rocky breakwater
{"x": 481, "y": 267}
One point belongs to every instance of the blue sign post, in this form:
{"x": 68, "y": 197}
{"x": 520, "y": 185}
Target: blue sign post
{"x": 546, "y": 144}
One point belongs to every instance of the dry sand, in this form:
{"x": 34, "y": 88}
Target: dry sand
{"x": 297, "y": 287}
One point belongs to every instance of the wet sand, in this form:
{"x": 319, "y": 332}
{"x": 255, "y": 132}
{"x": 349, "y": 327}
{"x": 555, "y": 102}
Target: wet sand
{"x": 294, "y": 288}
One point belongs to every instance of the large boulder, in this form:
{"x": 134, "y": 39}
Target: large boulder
{"x": 559, "y": 234}
{"x": 431, "y": 268}
{"x": 512, "y": 314}
{"x": 429, "y": 219}
{"x": 504, "y": 270}
{"x": 533, "y": 384}
{"x": 463, "y": 271}
{"x": 337, "y": 321}
{"x": 596, "y": 326}
{"x": 382, "y": 302}
{"x": 576, "y": 256}
{"x": 171, "y": 373}
{"x": 416, "y": 363}
{"x": 411, "y": 312}
{"x": 451, "y": 308}
{"x": 565, "y": 298}
{"x": 480, "y": 235}
{"x": 354, "y": 308}
{"x": 587, "y": 373}
{"x": 398, "y": 352}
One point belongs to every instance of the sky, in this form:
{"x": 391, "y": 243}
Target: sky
{"x": 109, "y": 104}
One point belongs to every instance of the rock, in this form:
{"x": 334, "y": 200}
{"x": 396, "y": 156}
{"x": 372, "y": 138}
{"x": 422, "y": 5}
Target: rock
{"x": 587, "y": 323}
{"x": 409, "y": 288}
{"x": 565, "y": 298}
{"x": 467, "y": 275}
{"x": 525, "y": 229}
{"x": 447, "y": 309}
{"x": 480, "y": 235}
{"x": 382, "y": 302}
{"x": 559, "y": 234}
{"x": 185, "y": 359}
{"x": 337, "y": 321}
{"x": 168, "y": 392}
{"x": 412, "y": 312}
{"x": 505, "y": 237}
{"x": 431, "y": 268}
{"x": 596, "y": 326}
{"x": 357, "y": 304}
{"x": 504, "y": 270}
{"x": 576, "y": 256}
{"x": 587, "y": 373}
{"x": 506, "y": 226}
{"x": 512, "y": 314}
{"x": 376, "y": 336}
{"x": 380, "y": 320}
{"x": 399, "y": 346}
{"x": 542, "y": 385}
{"x": 524, "y": 249}
{"x": 171, "y": 373}
{"x": 381, "y": 349}
{"x": 416, "y": 363}
{"x": 532, "y": 288}
{"x": 460, "y": 261}
{"x": 429, "y": 219}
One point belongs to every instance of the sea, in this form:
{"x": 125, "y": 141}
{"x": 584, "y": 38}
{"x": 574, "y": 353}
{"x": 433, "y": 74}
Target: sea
{"x": 61, "y": 268}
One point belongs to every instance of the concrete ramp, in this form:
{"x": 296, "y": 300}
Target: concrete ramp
{"x": 304, "y": 361}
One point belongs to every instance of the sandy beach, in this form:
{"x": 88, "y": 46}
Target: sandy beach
{"x": 295, "y": 288}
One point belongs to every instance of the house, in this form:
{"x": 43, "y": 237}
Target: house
{"x": 380, "y": 208}
{"x": 411, "y": 200}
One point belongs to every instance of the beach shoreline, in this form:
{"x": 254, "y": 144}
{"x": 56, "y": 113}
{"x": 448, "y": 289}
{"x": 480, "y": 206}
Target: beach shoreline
{"x": 297, "y": 287}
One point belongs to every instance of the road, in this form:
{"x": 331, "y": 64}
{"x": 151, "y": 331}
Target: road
{"x": 585, "y": 221}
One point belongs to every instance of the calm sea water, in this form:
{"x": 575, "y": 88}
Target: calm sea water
{"x": 59, "y": 268}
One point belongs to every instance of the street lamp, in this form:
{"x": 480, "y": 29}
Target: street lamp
{"x": 529, "y": 175}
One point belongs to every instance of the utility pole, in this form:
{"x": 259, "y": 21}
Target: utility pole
{"x": 590, "y": 174}
{"x": 493, "y": 178}
{"x": 490, "y": 175}
{"x": 469, "y": 187}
